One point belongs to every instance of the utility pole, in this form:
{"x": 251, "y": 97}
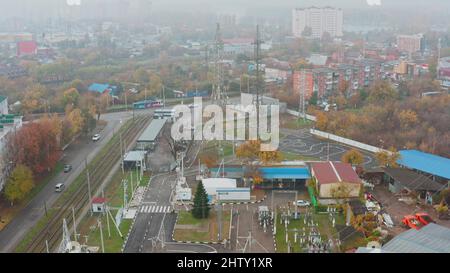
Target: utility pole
{"x": 45, "y": 208}
{"x": 164, "y": 95}
{"x": 302, "y": 93}
{"x": 328, "y": 151}
{"x": 74, "y": 224}
{"x": 219, "y": 219}
{"x": 107, "y": 221}
{"x": 101, "y": 235}
{"x": 206, "y": 62}
{"x": 89, "y": 184}
{"x": 131, "y": 182}
{"x": 121, "y": 153}
{"x": 258, "y": 77}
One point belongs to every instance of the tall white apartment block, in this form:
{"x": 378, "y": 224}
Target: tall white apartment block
{"x": 319, "y": 20}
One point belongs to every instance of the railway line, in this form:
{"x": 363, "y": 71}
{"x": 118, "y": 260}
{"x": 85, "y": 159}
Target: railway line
{"x": 50, "y": 236}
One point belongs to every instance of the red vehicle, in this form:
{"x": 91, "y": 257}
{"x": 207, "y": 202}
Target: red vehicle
{"x": 410, "y": 221}
{"x": 424, "y": 218}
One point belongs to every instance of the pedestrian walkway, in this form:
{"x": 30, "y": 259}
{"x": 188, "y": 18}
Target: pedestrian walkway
{"x": 155, "y": 209}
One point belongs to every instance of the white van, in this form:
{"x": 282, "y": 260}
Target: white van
{"x": 59, "y": 187}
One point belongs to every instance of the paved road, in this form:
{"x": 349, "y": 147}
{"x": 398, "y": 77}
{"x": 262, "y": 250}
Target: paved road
{"x": 303, "y": 143}
{"x": 75, "y": 155}
{"x": 156, "y": 220}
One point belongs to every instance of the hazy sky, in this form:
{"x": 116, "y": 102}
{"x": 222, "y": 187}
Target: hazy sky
{"x": 47, "y": 8}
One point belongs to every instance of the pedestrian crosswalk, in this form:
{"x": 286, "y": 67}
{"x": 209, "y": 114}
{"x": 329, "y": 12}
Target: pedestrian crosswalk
{"x": 155, "y": 209}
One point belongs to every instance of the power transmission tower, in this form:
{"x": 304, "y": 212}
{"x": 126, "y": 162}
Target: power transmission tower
{"x": 65, "y": 242}
{"x": 218, "y": 93}
{"x": 258, "y": 86}
{"x": 302, "y": 93}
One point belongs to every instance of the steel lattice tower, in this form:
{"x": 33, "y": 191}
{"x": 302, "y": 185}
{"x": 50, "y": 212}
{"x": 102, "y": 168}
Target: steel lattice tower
{"x": 218, "y": 94}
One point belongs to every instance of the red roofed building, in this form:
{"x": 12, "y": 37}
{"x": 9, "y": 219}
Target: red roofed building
{"x": 98, "y": 204}
{"x": 336, "y": 180}
{"x": 26, "y": 48}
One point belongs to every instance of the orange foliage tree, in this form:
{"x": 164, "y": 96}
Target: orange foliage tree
{"x": 37, "y": 145}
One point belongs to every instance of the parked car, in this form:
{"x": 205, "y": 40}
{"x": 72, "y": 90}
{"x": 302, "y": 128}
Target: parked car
{"x": 301, "y": 203}
{"x": 59, "y": 187}
{"x": 424, "y": 218}
{"x": 67, "y": 168}
{"x": 410, "y": 221}
{"x": 96, "y": 137}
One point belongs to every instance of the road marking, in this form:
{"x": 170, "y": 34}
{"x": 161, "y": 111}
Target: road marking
{"x": 155, "y": 209}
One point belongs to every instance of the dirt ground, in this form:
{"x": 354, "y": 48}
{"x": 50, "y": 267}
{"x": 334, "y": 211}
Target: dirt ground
{"x": 397, "y": 209}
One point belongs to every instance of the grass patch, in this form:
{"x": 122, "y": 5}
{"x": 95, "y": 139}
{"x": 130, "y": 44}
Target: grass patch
{"x": 112, "y": 241}
{"x": 202, "y": 230}
{"x": 297, "y": 123}
{"x": 292, "y": 157}
{"x": 213, "y": 147}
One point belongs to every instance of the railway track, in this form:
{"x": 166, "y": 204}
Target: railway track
{"x": 51, "y": 234}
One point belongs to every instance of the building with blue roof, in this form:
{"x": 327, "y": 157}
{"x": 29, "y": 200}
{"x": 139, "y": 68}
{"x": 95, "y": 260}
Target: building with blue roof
{"x": 102, "y": 88}
{"x": 285, "y": 176}
{"x": 437, "y": 166}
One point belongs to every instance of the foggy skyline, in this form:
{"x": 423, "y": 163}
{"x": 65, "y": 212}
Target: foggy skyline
{"x": 43, "y": 9}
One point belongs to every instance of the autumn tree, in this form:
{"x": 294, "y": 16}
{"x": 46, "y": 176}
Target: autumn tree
{"x": 33, "y": 99}
{"x": 382, "y": 91}
{"x": 252, "y": 172}
{"x": 76, "y": 120}
{"x": 388, "y": 158}
{"x": 321, "y": 121}
{"x": 70, "y": 97}
{"x": 365, "y": 223}
{"x": 19, "y": 184}
{"x": 141, "y": 76}
{"x": 353, "y": 157}
{"x": 266, "y": 157}
{"x": 248, "y": 151}
{"x": 89, "y": 121}
{"x": 407, "y": 118}
{"x": 37, "y": 144}
{"x": 340, "y": 192}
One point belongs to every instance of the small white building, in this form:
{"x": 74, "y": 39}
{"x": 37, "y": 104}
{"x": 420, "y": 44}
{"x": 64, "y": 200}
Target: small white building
{"x": 233, "y": 194}
{"x": 98, "y": 204}
{"x": 213, "y": 184}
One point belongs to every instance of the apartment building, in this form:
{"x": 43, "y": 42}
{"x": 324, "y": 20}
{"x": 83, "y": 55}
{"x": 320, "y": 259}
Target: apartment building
{"x": 317, "y": 21}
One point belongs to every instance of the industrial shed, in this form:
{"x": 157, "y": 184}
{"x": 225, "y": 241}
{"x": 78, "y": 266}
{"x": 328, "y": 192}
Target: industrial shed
{"x": 150, "y": 135}
{"x": 333, "y": 176}
{"x": 432, "y": 238}
{"x": 400, "y": 179}
{"x": 426, "y": 163}
{"x": 134, "y": 159}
